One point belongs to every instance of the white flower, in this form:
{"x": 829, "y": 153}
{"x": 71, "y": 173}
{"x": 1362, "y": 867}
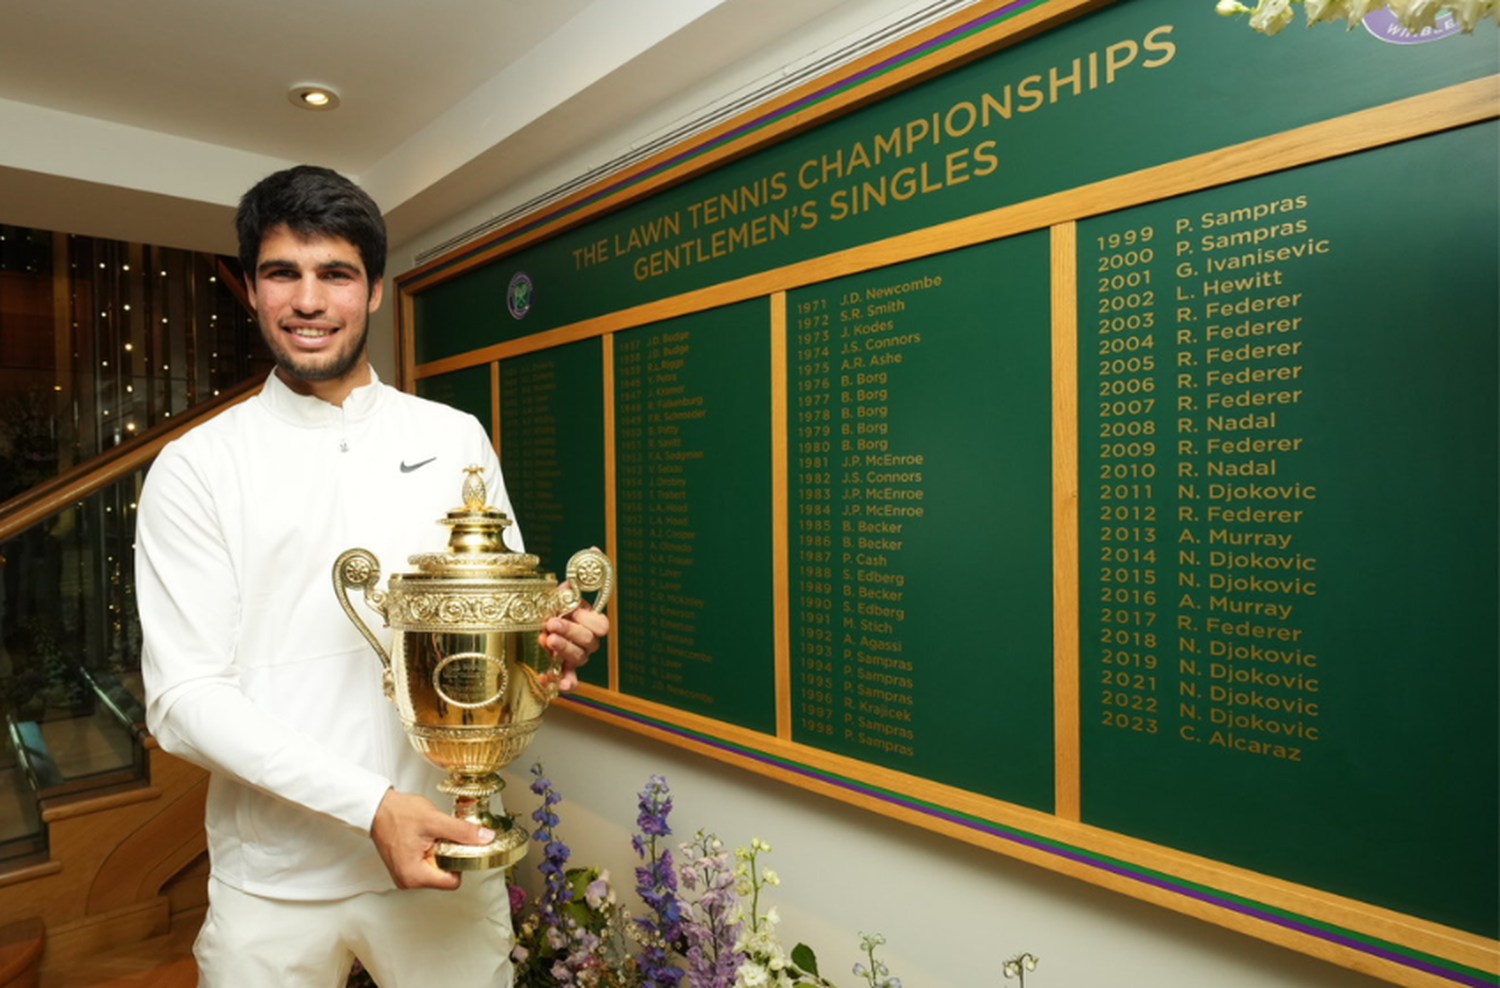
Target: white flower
{"x": 747, "y": 942}
{"x": 1014, "y": 966}
{"x": 758, "y": 944}
{"x": 750, "y": 975}
{"x": 1360, "y": 9}
{"x": 1416, "y": 15}
{"x": 770, "y": 877}
{"x": 1469, "y": 13}
{"x": 1270, "y": 16}
{"x": 1324, "y": 10}
{"x": 598, "y": 891}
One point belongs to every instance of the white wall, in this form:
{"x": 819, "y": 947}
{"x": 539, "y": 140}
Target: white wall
{"x": 950, "y": 912}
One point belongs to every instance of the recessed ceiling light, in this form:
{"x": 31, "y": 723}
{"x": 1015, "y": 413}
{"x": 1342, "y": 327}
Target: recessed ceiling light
{"x": 312, "y": 96}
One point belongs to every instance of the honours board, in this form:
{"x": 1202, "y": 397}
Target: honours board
{"x": 1288, "y": 535}
{"x": 918, "y": 464}
{"x": 1121, "y": 497}
{"x": 551, "y": 406}
{"x": 693, "y": 516}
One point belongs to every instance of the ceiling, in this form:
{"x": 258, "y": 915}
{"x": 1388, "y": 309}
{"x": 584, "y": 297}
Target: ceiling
{"x": 145, "y": 120}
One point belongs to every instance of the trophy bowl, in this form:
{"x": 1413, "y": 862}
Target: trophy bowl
{"x": 466, "y": 668}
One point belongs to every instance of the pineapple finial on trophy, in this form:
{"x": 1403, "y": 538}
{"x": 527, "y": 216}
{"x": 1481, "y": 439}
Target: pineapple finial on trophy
{"x": 474, "y": 492}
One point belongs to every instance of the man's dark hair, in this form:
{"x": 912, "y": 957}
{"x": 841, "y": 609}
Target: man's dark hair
{"x": 311, "y": 201}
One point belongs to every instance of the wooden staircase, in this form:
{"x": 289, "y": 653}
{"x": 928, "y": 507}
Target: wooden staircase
{"x": 99, "y": 859}
{"x": 108, "y": 877}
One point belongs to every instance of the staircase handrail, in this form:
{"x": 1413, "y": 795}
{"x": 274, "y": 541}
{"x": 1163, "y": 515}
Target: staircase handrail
{"x": 70, "y": 486}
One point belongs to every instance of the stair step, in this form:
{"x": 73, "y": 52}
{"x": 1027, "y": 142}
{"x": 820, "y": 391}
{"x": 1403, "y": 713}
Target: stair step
{"x": 21, "y": 945}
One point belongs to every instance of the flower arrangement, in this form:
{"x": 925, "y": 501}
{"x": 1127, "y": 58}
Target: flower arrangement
{"x": 707, "y": 925}
{"x": 574, "y": 933}
{"x": 1270, "y": 16}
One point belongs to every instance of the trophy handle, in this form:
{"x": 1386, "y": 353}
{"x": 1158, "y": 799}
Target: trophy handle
{"x": 360, "y": 568}
{"x": 589, "y": 570}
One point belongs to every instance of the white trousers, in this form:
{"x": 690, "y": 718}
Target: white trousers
{"x": 405, "y": 939}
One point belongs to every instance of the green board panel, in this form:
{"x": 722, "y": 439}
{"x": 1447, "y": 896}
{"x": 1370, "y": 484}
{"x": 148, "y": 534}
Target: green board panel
{"x": 466, "y": 313}
{"x": 693, "y": 456}
{"x": 467, "y": 390}
{"x": 1136, "y": 84}
{"x": 1289, "y": 525}
{"x": 919, "y": 467}
{"x": 552, "y": 452}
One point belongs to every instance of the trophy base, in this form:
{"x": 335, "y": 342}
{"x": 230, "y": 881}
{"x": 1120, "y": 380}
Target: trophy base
{"x": 505, "y": 850}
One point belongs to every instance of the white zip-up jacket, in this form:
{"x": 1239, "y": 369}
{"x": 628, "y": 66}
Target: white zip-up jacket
{"x": 252, "y": 669}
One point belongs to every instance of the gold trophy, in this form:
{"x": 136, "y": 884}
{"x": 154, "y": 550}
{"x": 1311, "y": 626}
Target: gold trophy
{"x": 466, "y": 670}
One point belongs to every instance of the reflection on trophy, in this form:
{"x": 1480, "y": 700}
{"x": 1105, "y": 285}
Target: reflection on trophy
{"x": 466, "y": 670}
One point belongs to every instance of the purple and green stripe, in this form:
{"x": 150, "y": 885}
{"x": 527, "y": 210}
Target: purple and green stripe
{"x": 781, "y": 112}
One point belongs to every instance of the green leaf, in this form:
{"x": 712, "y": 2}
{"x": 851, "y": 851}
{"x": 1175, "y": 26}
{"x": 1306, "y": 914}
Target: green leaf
{"x": 803, "y": 957}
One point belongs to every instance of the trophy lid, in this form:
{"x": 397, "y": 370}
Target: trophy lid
{"x": 475, "y": 545}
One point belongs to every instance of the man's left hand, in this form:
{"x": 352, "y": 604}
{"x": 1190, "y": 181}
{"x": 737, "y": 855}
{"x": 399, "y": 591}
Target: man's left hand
{"x": 574, "y": 637}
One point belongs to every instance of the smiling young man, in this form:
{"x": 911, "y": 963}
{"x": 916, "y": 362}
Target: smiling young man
{"x": 313, "y": 299}
{"x": 320, "y": 831}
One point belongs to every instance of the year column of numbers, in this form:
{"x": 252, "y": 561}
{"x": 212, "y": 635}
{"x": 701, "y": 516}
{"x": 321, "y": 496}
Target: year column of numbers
{"x": 812, "y": 466}
{"x": 1123, "y": 368}
{"x": 630, "y": 461}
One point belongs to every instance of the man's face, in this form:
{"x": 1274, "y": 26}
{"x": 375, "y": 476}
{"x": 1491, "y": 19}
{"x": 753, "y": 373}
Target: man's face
{"x": 313, "y": 301}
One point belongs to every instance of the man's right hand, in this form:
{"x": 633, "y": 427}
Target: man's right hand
{"x": 405, "y": 829}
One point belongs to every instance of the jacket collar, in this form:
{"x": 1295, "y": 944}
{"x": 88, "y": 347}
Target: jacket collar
{"x": 306, "y": 410}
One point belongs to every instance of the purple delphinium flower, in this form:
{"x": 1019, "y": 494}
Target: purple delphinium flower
{"x": 554, "y": 866}
{"x": 656, "y": 883}
{"x": 711, "y": 925}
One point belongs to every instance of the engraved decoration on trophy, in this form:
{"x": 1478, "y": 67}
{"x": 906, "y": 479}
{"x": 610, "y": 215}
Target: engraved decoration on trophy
{"x": 466, "y": 668}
